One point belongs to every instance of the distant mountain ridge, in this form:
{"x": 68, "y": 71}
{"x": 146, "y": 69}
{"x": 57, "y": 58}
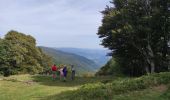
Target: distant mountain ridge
{"x": 82, "y": 64}
{"x": 99, "y": 56}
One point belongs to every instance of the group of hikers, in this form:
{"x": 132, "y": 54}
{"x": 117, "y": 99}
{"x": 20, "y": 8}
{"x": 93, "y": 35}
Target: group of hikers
{"x": 62, "y": 72}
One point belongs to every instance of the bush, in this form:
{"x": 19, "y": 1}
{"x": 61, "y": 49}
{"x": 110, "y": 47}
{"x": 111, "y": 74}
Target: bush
{"x": 107, "y": 91}
{"x": 111, "y": 68}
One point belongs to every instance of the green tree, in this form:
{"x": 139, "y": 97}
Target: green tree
{"x": 111, "y": 68}
{"x": 138, "y": 33}
{"x": 20, "y": 55}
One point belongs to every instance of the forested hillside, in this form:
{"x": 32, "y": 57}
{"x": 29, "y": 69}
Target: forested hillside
{"x": 82, "y": 64}
{"x": 19, "y": 55}
{"x": 99, "y": 56}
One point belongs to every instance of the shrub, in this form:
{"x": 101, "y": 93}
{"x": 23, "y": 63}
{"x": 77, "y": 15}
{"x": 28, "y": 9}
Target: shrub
{"x": 106, "y": 91}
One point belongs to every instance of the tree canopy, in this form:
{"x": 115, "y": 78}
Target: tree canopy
{"x": 19, "y": 55}
{"x": 138, "y": 33}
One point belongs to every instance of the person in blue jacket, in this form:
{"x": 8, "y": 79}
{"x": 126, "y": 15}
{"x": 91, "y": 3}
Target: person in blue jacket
{"x": 65, "y": 72}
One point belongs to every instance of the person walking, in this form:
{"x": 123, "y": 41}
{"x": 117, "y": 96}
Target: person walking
{"x": 72, "y": 72}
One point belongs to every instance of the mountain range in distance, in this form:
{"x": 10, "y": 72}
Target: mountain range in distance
{"x": 99, "y": 56}
{"x": 84, "y": 60}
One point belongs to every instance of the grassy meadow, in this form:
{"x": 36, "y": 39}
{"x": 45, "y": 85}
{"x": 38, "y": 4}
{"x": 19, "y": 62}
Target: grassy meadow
{"x": 35, "y": 87}
{"x": 39, "y": 87}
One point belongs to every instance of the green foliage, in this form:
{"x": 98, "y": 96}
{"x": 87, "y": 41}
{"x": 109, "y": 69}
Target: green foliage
{"x": 166, "y": 95}
{"x": 42, "y": 87}
{"x": 109, "y": 90}
{"x": 111, "y": 68}
{"x": 20, "y": 55}
{"x": 138, "y": 33}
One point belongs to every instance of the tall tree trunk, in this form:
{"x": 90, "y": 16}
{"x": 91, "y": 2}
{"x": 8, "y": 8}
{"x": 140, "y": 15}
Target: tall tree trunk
{"x": 151, "y": 58}
{"x": 150, "y": 54}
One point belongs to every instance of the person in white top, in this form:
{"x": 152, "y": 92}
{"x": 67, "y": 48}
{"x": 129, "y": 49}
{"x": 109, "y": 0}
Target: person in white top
{"x": 61, "y": 73}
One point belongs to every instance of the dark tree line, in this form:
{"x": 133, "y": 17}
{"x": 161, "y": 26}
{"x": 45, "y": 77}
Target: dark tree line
{"x": 19, "y": 55}
{"x": 138, "y": 33}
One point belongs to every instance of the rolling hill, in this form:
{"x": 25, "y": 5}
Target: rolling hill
{"x": 82, "y": 64}
{"x": 96, "y": 55}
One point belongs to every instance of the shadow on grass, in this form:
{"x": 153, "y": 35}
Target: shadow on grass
{"x": 47, "y": 80}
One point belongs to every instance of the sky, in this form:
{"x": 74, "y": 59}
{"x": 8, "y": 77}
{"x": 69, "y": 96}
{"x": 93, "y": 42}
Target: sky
{"x": 55, "y": 23}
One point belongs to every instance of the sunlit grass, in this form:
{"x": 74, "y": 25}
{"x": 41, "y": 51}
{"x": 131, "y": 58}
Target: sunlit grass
{"x": 26, "y": 87}
{"x": 38, "y": 87}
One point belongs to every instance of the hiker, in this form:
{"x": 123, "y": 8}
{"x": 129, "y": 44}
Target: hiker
{"x": 65, "y": 72}
{"x": 72, "y": 72}
{"x": 54, "y": 69}
{"x": 61, "y": 73}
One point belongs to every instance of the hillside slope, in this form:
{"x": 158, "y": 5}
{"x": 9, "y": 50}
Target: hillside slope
{"x": 96, "y": 55}
{"x": 81, "y": 64}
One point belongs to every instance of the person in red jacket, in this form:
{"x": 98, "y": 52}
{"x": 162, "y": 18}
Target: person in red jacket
{"x": 54, "y": 70}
